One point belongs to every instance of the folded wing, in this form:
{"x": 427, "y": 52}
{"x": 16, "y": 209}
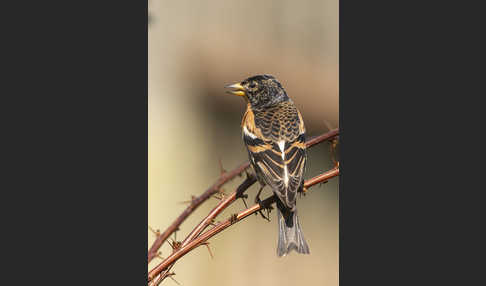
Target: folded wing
{"x": 281, "y": 164}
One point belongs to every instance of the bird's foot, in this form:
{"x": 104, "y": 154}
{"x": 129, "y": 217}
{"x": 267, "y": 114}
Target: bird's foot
{"x": 263, "y": 208}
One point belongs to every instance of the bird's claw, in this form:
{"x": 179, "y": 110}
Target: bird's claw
{"x": 243, "y": 197}
{"x": 262, "y": 207}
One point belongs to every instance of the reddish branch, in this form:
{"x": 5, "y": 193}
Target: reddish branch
{"x": 208, "y": 220}
{"x": 201, "y": 239}
{"x": 195, "y": 203}
{"x": 322, "y": 177}
{"x": 223, "y": 204}
{"x": 224, "y": 178}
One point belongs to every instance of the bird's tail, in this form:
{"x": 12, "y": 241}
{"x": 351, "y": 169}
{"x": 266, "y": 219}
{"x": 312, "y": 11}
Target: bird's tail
{"x": 290, "y": 236}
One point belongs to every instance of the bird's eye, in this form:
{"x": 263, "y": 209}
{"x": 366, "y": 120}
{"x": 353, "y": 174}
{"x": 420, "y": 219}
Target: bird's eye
{"x": 252, "y": 85}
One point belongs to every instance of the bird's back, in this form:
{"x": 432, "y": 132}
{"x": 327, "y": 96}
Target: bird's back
{"x": 275, "y": 139}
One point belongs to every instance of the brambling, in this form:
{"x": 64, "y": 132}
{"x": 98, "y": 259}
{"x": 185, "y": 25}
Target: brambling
{"x": 274, "y": 134}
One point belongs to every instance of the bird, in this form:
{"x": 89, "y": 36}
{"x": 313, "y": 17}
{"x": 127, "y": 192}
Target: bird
{"x": 273, "y": 132}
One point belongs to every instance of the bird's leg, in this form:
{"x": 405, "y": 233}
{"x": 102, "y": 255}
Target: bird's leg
{"x": 257, "y": 198}
{"x": 259, "y": 201}
{"x": 250, "y": 180}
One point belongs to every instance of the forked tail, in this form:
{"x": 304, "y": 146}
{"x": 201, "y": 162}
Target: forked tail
{"x": 290, "y": 236}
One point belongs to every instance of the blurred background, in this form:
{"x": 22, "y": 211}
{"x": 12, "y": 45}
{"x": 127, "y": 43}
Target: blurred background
{"x": 195, "y": 49}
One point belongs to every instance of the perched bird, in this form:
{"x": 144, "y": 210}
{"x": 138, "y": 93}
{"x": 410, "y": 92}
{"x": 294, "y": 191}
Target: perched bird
{"x": 274, "y": 135}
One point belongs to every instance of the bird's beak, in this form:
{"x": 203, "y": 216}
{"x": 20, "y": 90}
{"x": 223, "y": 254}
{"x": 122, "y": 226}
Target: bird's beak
{"x": 238, "y": 89}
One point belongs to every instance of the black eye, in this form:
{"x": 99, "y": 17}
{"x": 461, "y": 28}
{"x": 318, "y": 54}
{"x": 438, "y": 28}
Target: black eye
{"x": 252, "y": 85}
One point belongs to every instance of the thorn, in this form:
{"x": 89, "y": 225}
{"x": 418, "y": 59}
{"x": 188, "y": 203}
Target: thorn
{"x": 222, "y": 171}
{"x": 209, "y": 249}
{"x": 335, "y": 141}
{"x": 189, "y": 202}
{"x": 233, "y": 218}
{"x": 175, "y": 234}
{"x": 159, "y": 255}
{"x": 170, "y": 274}
{"x": 155, "y": 232}
{"x": 213, "y": 223}
{"x": 328, "y": 125}
{"x": 220, "y": 195}
{"x": 332, "y": 146}
{"x": 157, "y": 279}
{"x": 175, "y": 244}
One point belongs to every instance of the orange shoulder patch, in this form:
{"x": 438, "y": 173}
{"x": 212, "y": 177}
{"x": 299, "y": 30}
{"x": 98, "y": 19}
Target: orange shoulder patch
{"x": 249, "y": 122}
{"x": 301, "y": 126}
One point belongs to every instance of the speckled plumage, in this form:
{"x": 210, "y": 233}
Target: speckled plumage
{"x": 274, "y": 134}
{"x": 279, "y": 122}
{"x": 272, "y": 125}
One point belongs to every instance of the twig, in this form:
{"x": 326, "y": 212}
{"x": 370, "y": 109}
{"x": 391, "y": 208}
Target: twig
{"x": 218, "y": 209}
{"x": 201, "y": 239}
{"x": 192, "y": 207}
{"x": 322, "y": 177}
{"x": 318, "y": 139}
{"x": 223, "y": 179}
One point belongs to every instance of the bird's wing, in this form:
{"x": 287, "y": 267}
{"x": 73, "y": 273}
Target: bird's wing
{"x": 279, "y": 154}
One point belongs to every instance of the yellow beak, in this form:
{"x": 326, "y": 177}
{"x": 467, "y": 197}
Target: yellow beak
{"x": 238, "y": 89}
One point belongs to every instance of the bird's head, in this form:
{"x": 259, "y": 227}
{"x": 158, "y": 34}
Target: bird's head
{"x": 260, "y": 90}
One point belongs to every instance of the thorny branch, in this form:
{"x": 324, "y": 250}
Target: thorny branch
{"x": 223, "y": 179}
{"x": 232, "y": 220}
{"x": 197, "y": 237}
{"x": 195, "y": 203}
